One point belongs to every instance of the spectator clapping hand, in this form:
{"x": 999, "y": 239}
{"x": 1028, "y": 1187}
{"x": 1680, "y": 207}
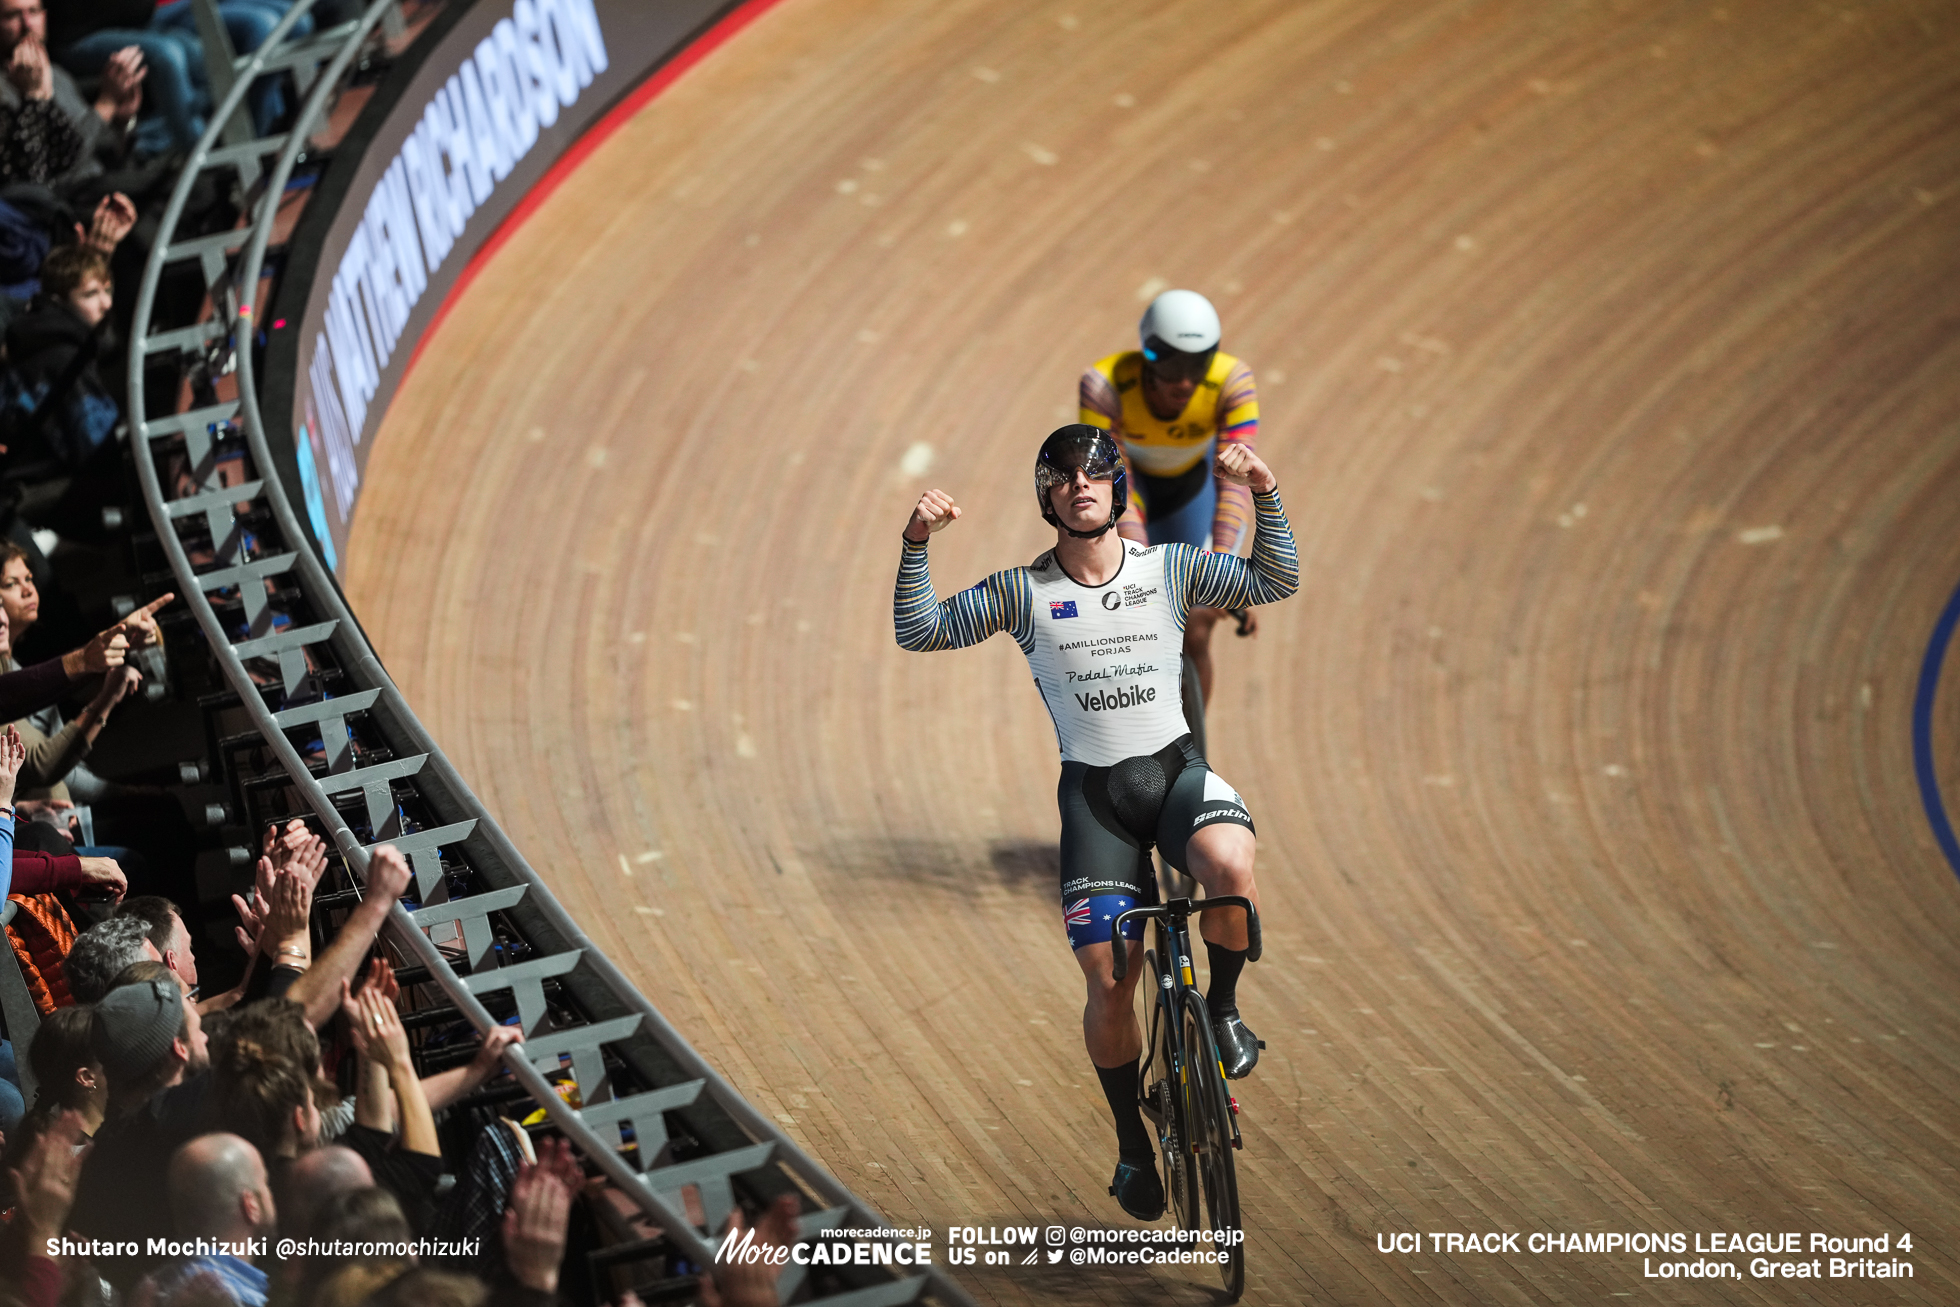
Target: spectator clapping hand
{"x": 377, "y": 1031}
{"x": 13, "y": 753}
{"x": 539, "y": 1212}
{"x": 122, "y": 86}
{"x": 275, "y": 917}
{"x": 296, "y": 848}
{"x": 31, "y": 71}
{"x": 114, "y": 218}
{"x": 45, "y": 1182}
{"x": 753, "y": 1284}
{"x": 288, "y": 912}
{"x": 381, "y": 979}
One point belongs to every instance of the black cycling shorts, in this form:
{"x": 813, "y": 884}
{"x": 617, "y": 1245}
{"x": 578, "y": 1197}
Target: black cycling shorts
{"x": 1166, "y": 796}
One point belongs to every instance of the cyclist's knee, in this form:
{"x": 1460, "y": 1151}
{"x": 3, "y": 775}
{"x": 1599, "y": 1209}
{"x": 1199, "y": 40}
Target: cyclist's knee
{"x": 1221, "y": 858}
{"x": 1099, "y": 973}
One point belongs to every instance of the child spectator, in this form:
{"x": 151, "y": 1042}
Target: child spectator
{"x": 54, "y": 348}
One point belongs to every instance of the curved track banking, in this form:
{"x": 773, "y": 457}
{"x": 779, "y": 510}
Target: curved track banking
{"x": 1609, "y": 365}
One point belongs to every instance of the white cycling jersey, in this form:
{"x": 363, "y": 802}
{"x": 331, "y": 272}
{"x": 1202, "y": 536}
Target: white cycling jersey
{"x": 1108, "y": 658}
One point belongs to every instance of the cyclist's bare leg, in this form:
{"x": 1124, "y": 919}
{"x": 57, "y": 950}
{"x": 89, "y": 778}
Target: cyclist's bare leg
{"x": 1109, "y": 1019}
{"x": 1197, "y": 644}
{"x": 1221, "y": 860}
{"x": 1109, "y": 1028}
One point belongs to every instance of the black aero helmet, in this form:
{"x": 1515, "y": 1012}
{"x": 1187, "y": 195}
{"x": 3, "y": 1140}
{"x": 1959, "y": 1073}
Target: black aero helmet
{"x": 1090, "y": 449}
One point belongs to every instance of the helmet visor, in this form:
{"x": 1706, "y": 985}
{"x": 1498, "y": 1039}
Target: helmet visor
{"x": 1174, "y": 364}
{"x": 1089, "y": 451}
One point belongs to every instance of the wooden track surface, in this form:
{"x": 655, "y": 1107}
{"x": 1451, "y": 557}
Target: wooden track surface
{"x": 1609, "y": 363}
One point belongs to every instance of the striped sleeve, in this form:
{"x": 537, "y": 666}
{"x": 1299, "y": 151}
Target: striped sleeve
{"x": 1238, "y": 404}
{"x": 1096, "y": 401}
{"x": 1002, "y": 602}
{"x": 1217, "y": 580}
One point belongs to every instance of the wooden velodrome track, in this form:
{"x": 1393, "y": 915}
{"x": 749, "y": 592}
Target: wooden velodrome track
{"x": 1609, "y": 363}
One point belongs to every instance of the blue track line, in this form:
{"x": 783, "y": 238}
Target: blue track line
{"x": 1922, "y": 732}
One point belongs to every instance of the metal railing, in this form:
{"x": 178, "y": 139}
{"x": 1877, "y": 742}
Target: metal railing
{"x": 648, "y": 1112}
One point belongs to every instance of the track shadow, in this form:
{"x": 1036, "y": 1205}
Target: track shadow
{"x": 1027, "y": 864}
{"x": 1020, "y": 865}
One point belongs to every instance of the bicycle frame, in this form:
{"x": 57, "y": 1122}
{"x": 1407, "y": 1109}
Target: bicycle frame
{"x": 1176, "y": 987}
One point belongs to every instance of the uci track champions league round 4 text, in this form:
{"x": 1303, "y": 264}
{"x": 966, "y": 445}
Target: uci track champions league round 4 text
{"x": 1709, "y": 1255}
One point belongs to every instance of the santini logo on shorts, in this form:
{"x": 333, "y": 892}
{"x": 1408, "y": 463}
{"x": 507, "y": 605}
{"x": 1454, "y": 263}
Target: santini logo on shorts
{"x": 1061, "y": 608}
{"x": 1128, "y": 696}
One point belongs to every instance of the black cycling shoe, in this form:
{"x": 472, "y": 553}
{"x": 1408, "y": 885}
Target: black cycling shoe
{"x": 1238, "y": 1048}
{"x": 1137, "y": 1189}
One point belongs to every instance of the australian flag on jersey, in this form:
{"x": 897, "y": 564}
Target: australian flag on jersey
{"x": 1061, "y": 608}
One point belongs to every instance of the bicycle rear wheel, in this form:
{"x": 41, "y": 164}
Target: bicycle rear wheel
{"x": 1167, "y": 1104}
{"x": 1209, "y": 1115}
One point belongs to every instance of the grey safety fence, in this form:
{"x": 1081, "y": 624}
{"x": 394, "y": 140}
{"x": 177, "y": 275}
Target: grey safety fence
{"x": 649, "y": 1112}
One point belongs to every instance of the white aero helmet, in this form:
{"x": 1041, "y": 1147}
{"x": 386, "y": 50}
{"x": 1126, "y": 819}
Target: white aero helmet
{"x": 1180, "y": 332}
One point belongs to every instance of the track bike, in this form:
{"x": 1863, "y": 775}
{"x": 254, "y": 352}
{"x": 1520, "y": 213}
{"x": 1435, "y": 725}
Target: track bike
{"x": 1190, "y": 1102}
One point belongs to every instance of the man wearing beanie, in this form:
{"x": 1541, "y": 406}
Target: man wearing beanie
{"x": 151, "y": 1046}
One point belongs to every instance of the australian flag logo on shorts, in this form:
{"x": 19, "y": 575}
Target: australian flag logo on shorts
{"x": 1087, "y": 920}
{"x": 1061, "y": 608}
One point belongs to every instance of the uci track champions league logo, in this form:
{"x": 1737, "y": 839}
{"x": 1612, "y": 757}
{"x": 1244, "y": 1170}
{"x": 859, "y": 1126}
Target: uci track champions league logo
{"x": 478, "y": 127}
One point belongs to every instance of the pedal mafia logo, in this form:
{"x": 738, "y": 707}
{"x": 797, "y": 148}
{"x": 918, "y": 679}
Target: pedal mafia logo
{"x": 1124, "y": 696}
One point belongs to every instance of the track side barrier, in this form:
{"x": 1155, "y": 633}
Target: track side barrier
{"x": 483, "y": 937}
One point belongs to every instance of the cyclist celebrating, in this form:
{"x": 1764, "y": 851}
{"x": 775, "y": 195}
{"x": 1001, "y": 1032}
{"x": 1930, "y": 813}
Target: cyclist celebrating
{"x": 1100, "y": 619}
{"x": 1169, "y": 405}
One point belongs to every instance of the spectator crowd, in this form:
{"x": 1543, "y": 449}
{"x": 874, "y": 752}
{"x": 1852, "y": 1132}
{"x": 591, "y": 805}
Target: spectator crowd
{"x": 288, "y": 1104}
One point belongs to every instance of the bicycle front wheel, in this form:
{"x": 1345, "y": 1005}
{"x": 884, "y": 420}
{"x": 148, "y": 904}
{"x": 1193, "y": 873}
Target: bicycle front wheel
{"x": 1209, "y": 1116}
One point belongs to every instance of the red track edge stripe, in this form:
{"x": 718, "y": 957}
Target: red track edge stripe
{"x": 581, "y": 150}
